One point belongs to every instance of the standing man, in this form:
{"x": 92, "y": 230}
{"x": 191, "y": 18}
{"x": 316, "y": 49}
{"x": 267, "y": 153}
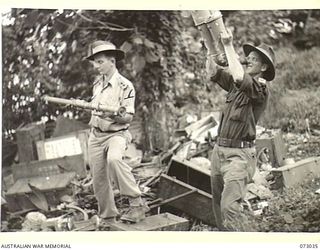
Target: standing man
{"x": 234, "y": 155}
{"x": 109, "y": 135}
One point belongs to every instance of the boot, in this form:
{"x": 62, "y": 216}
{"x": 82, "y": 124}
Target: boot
{"x": 135, "y": 214}
{"x": 104, "y": 224}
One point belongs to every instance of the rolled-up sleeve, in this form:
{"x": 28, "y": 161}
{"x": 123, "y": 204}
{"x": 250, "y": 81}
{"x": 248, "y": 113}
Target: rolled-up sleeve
{"x": 129, "y": 95}
{"x": 223, "y": 78}
{"x": 253, "y": 89}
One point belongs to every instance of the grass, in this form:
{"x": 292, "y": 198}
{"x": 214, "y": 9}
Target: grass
{"x": 295, "y": 93}
{"x": 295, "y": 209}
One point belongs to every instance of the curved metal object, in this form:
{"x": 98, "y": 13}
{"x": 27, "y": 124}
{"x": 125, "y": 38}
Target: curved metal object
{"x": 210, "y": 25}
{"x": 85, "y": 215}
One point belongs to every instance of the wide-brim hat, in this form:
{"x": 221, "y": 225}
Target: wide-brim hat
{"x": 267, "y": 53}
{"x": 106, "y": 47}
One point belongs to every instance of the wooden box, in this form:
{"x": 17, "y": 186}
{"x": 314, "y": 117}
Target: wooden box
{"x": 26, "y": 139}
{"x": 276, "y": 147}
{"x": 44, "y": 168}
{"x": 159, "y": 222}
{"x": 198, "y": 204}
{"x": 52, "y": 187}
{"x": 71, "y": 144}
{"x": 190, "y": 173}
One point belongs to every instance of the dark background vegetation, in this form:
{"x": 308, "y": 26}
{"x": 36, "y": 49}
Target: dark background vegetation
{"x": 43, "y": 53}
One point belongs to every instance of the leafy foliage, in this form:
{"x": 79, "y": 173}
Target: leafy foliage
{"x": 295, "y": 91}
{"x": 295, "y": 36}
{"x": 44, "y": 51}
{"x": 295, "y": 209}
{"x": 52, "y": 47}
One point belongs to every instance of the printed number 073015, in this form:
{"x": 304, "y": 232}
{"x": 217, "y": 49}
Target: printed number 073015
{"x": 309, "y": 246}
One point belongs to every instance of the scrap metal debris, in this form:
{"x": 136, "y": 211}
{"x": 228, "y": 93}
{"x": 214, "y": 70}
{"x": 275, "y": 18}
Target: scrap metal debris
{"x": 185, "y": 165}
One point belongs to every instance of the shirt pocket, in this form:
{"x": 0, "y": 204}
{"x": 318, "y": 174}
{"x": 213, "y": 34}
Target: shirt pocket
{"x": 241, "y": 109}
{"x": 110, "y": 97}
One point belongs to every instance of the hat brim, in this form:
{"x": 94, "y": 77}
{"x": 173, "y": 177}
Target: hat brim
{"x": 270, "y": 72}
{"x": 118, "y": 54}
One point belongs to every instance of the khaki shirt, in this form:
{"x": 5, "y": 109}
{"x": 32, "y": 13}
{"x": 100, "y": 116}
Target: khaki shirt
{"x": 117, "y": 92}
{"x": 244, "y": 105}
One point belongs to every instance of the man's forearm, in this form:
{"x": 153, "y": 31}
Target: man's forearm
{"x": 235, "y": 66}
{"x": 211, "y": 66}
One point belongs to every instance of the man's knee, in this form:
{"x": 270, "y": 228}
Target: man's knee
{"x": 114, "y": 159}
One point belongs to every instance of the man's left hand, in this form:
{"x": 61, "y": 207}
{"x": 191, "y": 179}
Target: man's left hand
{"x": 103, "y": 114}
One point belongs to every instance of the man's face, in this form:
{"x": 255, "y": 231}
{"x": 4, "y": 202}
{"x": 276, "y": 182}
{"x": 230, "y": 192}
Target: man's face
{"x": 103, "y": 64}
{"x": 255, "y": 64}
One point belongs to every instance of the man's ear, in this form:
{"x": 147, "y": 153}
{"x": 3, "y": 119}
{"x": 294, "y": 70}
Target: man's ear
{"x": 264, "y": 67}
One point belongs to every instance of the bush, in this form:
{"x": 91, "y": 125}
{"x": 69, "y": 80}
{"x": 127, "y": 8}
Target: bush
{"x": 298, "y": 70}
{"x": 295, "y": 91}
{"x": 292, "y": 210}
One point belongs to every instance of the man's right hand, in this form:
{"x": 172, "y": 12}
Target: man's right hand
{"x": 227, "y": 37}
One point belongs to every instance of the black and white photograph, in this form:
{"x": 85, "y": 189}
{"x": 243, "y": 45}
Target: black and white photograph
{"x": 160, "y": 120}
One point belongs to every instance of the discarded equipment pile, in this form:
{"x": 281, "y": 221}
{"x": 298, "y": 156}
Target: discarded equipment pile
{"x": 54, "y": 179}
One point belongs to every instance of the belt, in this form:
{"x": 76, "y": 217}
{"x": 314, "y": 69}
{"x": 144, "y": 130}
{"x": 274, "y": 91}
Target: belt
{"x": 109, "y": 131}
{"x": 230, "y": 143}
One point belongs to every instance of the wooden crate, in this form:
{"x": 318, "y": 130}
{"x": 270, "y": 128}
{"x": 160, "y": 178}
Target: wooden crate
{"x": 71, "y": 144}
{"x": 276, "y": 147}
{"x": 64, "y": 126}
{"x": 190, "y": 173}
{"x": 53, "y": 187}
{"x": 198, "y": 205}
{"x": 44, "y": 168}
{"x": 159, "y": 222}
{"x": 26, "y": 139}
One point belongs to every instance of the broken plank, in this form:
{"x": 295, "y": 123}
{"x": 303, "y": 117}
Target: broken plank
{"x": 159, "y": 222}
{"x": 198, "y": 204}
{"x": 299, "y": 172}
{"x": 171, "y": 199}
{"x": 187, "y": 131}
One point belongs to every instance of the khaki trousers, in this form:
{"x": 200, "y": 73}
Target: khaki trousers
{"x": 231, "y": 170}
{"x": 106, "y": 151}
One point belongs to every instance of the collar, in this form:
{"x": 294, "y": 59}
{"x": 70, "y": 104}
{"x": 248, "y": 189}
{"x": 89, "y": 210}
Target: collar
{"x": 262, "y": 80}
{"x": 100, "y": 79}
{"x": 114, "y": 78}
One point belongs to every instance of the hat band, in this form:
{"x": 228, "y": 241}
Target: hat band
{"x": 102, "y": 47}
